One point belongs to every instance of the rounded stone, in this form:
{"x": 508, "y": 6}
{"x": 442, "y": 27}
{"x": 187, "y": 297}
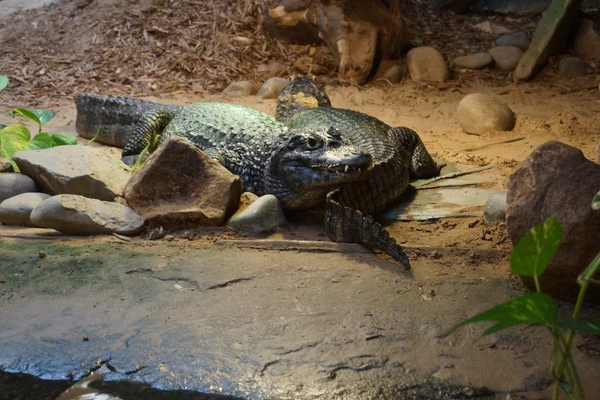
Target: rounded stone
{"x": 506, "y": 58}
{"x": 519, "y": 39}
{"x": 263, "y": 215}
{"x": 494, "y": 210}
{"x": 480, "y": 113}
{"x": 12, "y": 184}
{"x": 16, "y": 210}
{"x": 572, "y": 67}
{"x": 473, "y": 61}
{"x": 393, "y": 74}
{"x": 272, "y": 87}
{"x": 239, "y": 89}
{"x": 426, "y": 64}
{"x": 5, "y": 165}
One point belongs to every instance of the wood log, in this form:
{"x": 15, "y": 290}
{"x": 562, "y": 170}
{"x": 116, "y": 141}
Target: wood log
{"x": 358, "y": 32}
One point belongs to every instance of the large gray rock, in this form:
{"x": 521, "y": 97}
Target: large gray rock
{"x": 80, "y": 170}
{"x": 549, "y": 37}
{"x": 272, "y": 87}
{"x": 479, "y": 113}
{"x": 473, "y": 61}
{"x": 556, "y": 179}
{"x": 572, "y": 67}
{"x": 16, "y": 210}
{"x": 519, "y": 39}
{"x": 506, "y": 58}
{"x": 426, "y": 64}
{"x": 179, "y": 186}
{"x": 262, "y": 215}
{"x": 239, "y": 89}
{"x": 73, "y": 214}
{"x": 12, "y": 184}
{"x": 587, "y": 41}
{"x": 5, "y": 165}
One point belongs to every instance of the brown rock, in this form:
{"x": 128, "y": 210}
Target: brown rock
{"x": 426, "y": 64}
{"x": 553, "y": 176}
{"x": 587, "y": 41}
{"x": 246, "y": 199}
{"x": 506, "y": 58}
{"x": 5, "y": 165}
{"x": 479, "y": 113}
{"x": 179, "y": 186}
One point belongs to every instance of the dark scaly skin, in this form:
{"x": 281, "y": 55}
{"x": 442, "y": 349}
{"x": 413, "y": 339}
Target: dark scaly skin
{"x": 398, "y": 154}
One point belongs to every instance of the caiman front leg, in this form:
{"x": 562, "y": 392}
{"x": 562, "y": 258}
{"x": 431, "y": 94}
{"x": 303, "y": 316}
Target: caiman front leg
{"x": 421, "y": 164}
{"x": 145, "y": 135}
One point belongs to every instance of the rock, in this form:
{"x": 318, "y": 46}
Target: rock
{"x": 393, "y": 74}
{"x": 587, "y": 41}
{"x": 572, "y": 67}
{"x": 13, "y": 183}
{"x": 246, "y": 199}
{"x": 80, "y": 170}
{"x": 263, "y": 215}
{"x": 473, "y": 61}
{"x": 74, "y": 214}
{"x": 5, "y": 165}
{"x": 16, "y": 210}
{"x": 506, "y": 58}
{"x": 492, "y": 28}
{"x": 549, "y": 36}
{"x": 272, "y": 87}
{"x": 239, "y": 89}
{"x": 519, "y": 39}
{"x": 426, "y": 64}
{"x": 598, "y": 153}
{"x": 479, "y": 113}
{"x": 495, "y": 208}
{"x": 179, "y": 186}
{"x": 556, "y": 179}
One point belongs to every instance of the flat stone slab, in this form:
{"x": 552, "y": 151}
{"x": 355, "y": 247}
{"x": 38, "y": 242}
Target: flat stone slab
{"x": 260, "y": 324}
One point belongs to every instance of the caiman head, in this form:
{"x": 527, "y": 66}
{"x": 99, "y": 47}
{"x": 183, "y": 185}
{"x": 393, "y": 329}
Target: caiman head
{"x": 309, "y": 163}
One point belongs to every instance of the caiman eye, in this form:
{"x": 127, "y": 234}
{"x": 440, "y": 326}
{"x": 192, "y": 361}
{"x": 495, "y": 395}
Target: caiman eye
{"x": 312, "y": 143}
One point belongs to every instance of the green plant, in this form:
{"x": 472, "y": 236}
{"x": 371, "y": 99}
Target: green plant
{"x": 16, "y": 137}
{"x": 530, "y": 257}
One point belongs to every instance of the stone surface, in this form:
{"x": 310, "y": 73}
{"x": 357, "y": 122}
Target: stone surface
{"x": 572, "y": 67}
{"x": 473, "y": 61}
{"x": 506, "y": 58}
{"x": 393, "y": 74}
{"x": 519, "y": 39}
{"x": 180, "y": 186}
{"x": 492, "y": 28}
{"x": 426, "y": 64}
{"x": 80, "y": 170}
{"x": 549, "y": 37}
{"x": 556, "y": 179}
{"x": 480, "y": 113}
{"x": 74, "y": 214}
{"x": 246, "y": 199}
{"x": 13, "y": 183}
{"x": 16, "y": 210}
{"x": 587, "y": 41}
{"x": 5, "y": 165}
{"x": 272, "y": 87}
{"x": 263, "y": 215}
{"x": 494, "y": 210}
{"x": 239, "y": 89}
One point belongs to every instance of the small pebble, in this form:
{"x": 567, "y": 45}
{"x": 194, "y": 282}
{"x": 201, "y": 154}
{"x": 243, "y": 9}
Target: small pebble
{"x": 42, "y": 254}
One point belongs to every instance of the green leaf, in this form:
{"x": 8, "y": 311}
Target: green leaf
{"x": 13, "y": 138}
{"x": 40, "y": 141}
{"x": 25, "y": 113}
{"x": 44, "y": 115}
{"x": 532, "y": 308}
{"x": 62, "y": 139}
{"x": 3, "y": 81}
{"x": 596, "y": 201}
{"x": 588, "y": 325}
{"x": 95, "y": 136}
{"x": 534, "y": 251}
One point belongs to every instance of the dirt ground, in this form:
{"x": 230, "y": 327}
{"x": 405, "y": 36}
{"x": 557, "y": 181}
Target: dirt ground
{"x": 459, "y": 264}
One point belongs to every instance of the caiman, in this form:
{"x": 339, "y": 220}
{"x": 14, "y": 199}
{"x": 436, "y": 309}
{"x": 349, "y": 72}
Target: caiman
{"x": 313, "y": 155}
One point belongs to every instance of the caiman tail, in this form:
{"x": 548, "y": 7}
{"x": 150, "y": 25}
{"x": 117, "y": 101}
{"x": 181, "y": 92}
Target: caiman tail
{"x": 116, "y": 116}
